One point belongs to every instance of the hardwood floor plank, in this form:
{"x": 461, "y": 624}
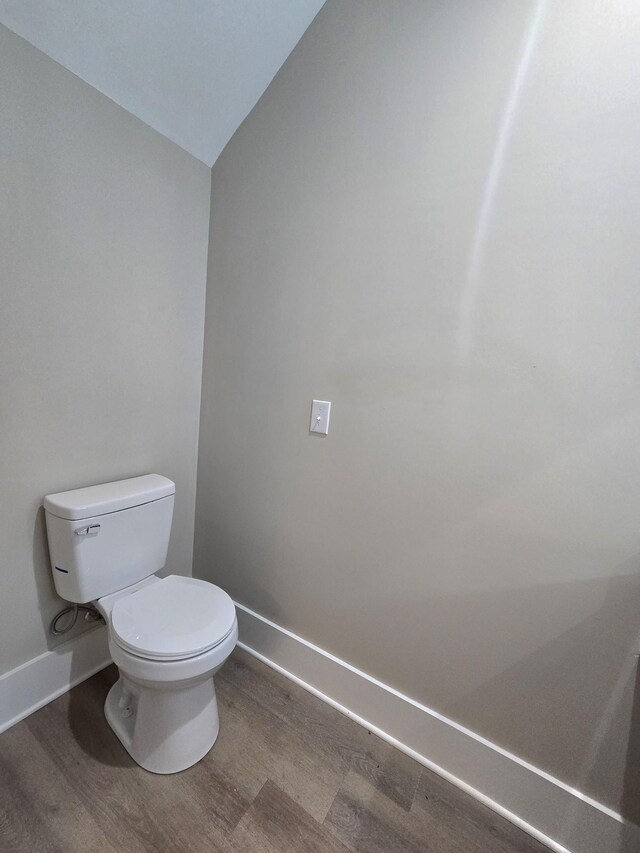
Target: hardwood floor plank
{"x": 343, "y": 744}
{"x": 44, "y": 797}
{"x": 391, "y": 772}
{"x": 320, "y": 726}
{"x": 23, "y": 829}
{"x": 365, "y": 819}
{"x": 288, "y": 773}
{"x": 271, "y": 750}
{"x": 206, "y": 783}
{"x": 362, "y": 829}
{"x": 215, "y": 793}
{"x": 135, "y": 809}
{"x": 276, "y": 824}
{"x": 471, "y": 819}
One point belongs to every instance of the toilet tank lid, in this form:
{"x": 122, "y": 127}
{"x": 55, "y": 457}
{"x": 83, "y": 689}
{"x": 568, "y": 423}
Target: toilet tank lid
{"x": 108, "y": 497}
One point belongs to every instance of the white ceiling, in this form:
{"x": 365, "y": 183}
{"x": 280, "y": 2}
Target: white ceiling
{"x": 192, "y": 69}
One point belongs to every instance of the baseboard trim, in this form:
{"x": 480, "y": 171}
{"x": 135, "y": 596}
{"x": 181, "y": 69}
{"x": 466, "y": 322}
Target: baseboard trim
{"x": 38, "y": 681}
{"x": 559, "y": 816}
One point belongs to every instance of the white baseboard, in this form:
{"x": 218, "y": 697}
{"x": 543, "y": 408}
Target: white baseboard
{"x": 28, "y": 687}
{"x": 548, "y": 809}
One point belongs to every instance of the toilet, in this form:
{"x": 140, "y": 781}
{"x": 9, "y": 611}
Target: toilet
{"x": 168, "y": 636}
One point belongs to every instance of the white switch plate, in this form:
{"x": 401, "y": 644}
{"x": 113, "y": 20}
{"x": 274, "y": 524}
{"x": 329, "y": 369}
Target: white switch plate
{"x": 320, "y": 413}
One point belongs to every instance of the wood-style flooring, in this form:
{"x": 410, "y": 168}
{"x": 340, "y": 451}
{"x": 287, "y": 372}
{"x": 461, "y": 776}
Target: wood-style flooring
{"x": 287, "y": 773}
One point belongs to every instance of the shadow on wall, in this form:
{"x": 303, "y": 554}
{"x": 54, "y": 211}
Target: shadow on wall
{"x": 630, "y": 801}
{"x": 550, "y": 670}
{"x": 49, "y": 602}
{"x": 554, "y": 696}
{"x": 546, "y": 670}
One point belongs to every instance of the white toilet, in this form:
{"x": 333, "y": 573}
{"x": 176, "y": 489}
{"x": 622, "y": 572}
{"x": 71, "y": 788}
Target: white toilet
{"x": 168, "y": 636}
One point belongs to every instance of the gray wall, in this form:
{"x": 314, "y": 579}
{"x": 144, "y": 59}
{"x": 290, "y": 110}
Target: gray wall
{"x": 431, "y": 219}
{"x": 103, "y": 246}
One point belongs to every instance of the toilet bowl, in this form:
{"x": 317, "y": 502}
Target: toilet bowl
{"x": 168, "y": 636}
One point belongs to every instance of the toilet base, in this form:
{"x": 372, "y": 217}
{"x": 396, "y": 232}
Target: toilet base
{"x": 165, "y": 728}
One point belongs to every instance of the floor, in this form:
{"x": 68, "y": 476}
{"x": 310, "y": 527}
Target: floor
{"x": 288, "y": 773}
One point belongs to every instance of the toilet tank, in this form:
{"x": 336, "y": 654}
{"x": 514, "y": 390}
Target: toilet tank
{"x": 107, "y": 537}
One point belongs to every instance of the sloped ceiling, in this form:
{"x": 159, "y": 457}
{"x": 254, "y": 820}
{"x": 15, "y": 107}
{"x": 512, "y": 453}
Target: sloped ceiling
{"x": 192, "y": 69}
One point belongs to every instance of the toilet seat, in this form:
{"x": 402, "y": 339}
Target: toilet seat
{"x": 172, "y": 674}
{"x": 174, "y": 619}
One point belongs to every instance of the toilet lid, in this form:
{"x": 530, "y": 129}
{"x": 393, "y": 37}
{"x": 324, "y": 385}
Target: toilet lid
{"x": 173, "y": 619}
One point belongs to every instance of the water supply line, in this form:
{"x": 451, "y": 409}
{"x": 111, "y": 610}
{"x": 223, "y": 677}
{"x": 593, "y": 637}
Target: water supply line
{"x": 90, "y": 615}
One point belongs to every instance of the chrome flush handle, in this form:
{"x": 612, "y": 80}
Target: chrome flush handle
{"x": 91, "y": 530}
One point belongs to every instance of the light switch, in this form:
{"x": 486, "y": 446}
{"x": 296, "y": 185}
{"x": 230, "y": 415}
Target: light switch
{"x": 320, "y": 412}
